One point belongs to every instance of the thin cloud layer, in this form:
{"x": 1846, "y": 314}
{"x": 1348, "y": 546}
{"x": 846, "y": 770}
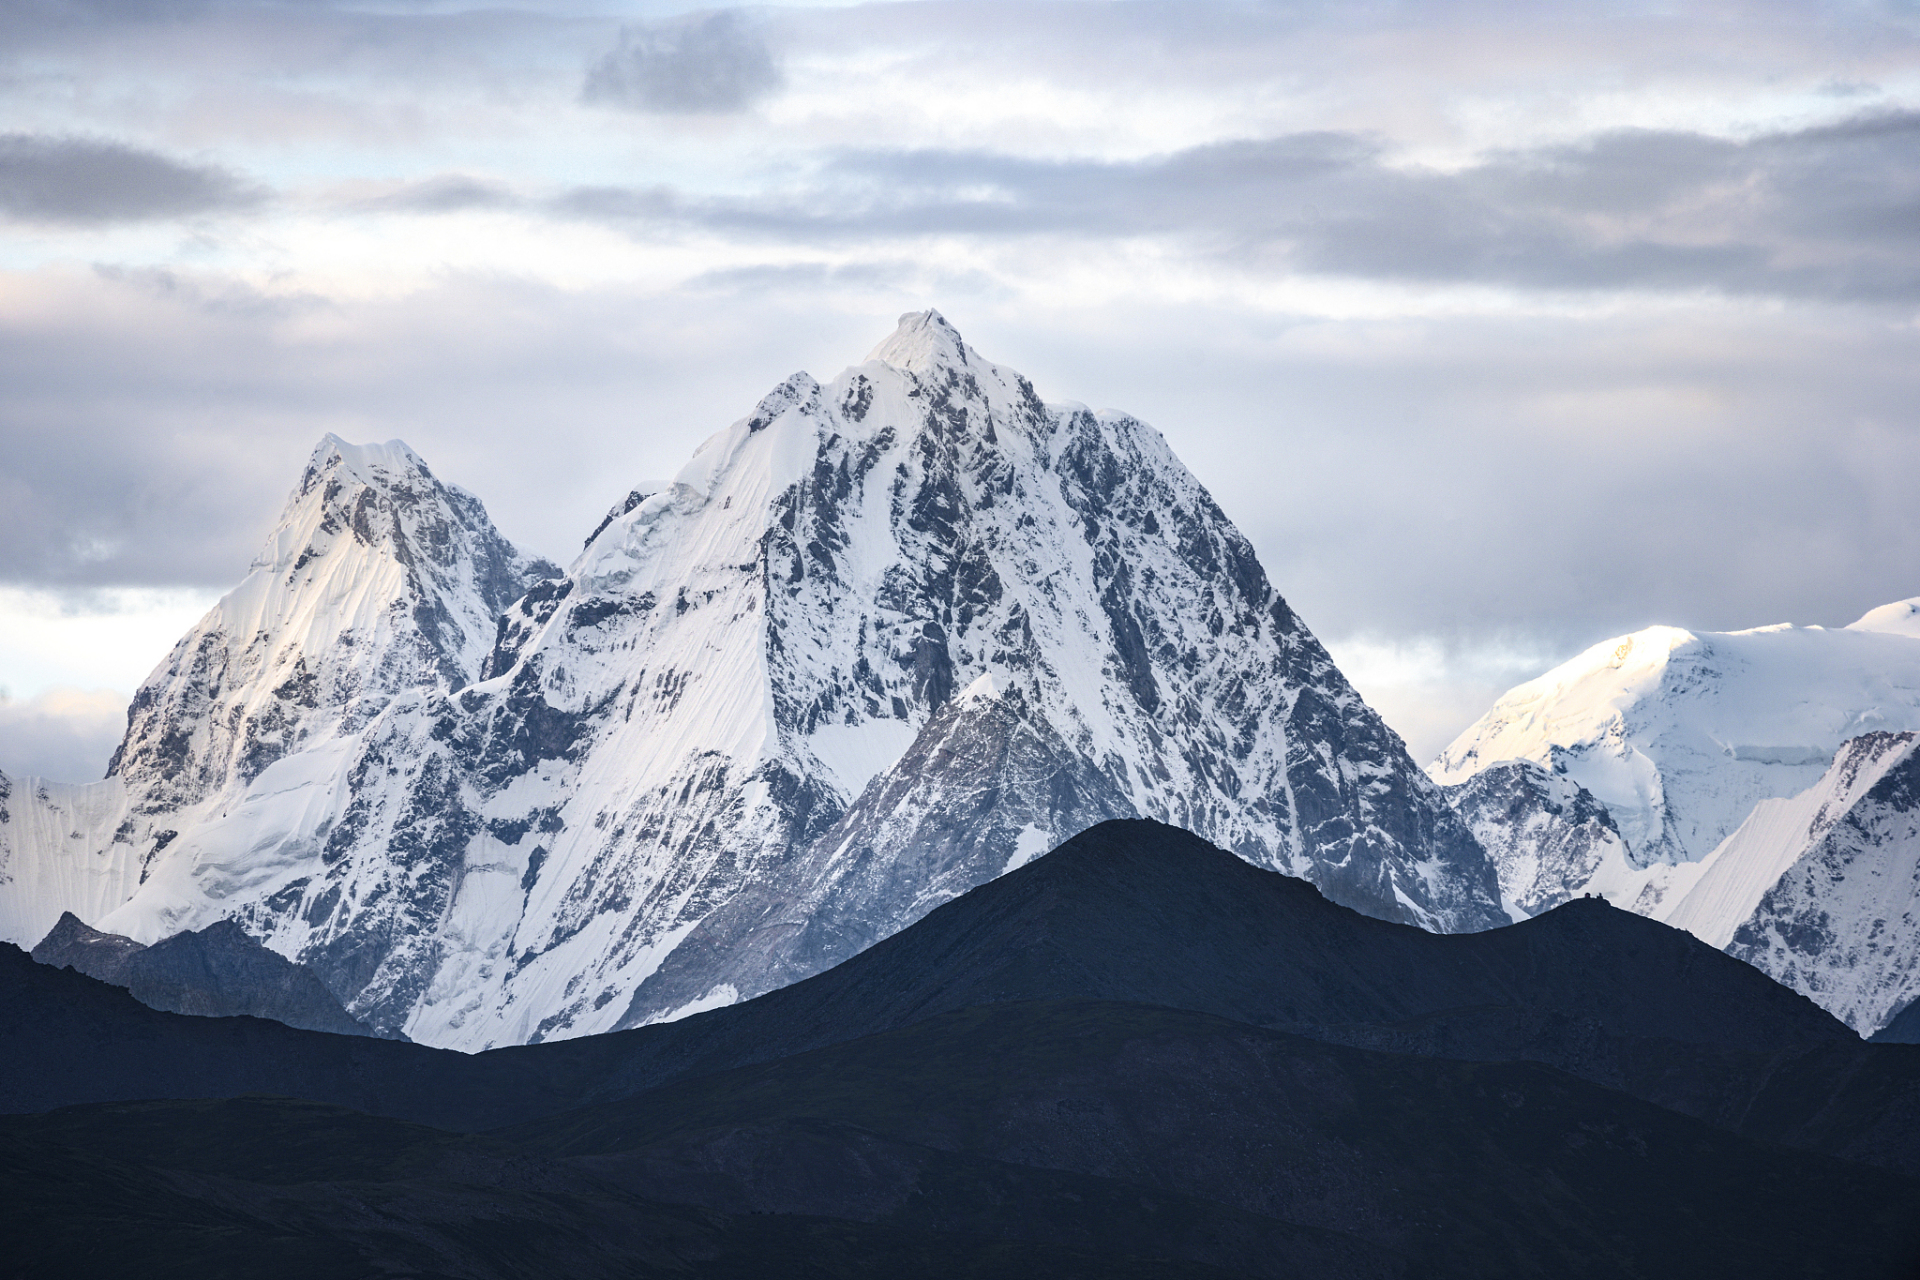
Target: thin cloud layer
{"x": 90, "y": 181}
{"x": 64, "y": 734}
{"x": 1825, "y": 212}
{"x": 712, "y": 64}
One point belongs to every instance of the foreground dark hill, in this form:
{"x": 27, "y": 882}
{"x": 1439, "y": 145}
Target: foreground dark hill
{"x": 1130, "y": 911}
{"x": 1422, "y": 1167}
{"x": 215, "y": 972}
{"x": 1143, "y": 912}
{"x": 1137, "y": 1056}
{"x": 1045, "y": 1138}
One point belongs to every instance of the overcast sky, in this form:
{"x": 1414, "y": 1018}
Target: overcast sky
{"x": 1500, "y": 329}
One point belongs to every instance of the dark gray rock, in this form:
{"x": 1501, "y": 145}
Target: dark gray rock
{"x": 73, "y": 945}
{"x": 215, "y": 972}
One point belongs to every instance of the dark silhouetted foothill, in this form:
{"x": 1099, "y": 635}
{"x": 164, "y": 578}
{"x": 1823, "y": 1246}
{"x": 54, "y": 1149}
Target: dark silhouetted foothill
{"x": 1135, "y": 1056}
{"x": 215, "y": 972}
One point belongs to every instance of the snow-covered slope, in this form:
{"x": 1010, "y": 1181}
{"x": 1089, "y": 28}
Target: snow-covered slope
{"x": 1901, "y": 618}
{"x": 1681, "y": 733}
{"x": 877, "y": 642}
{"x": 58, "y": 852}
{"x": 378, "y": 579}
{"x": 1822, "y": 889}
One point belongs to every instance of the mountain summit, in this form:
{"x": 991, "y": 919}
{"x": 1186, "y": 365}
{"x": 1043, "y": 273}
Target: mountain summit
{"x": 377, "y": 580}
{"x": 880, "y": 641}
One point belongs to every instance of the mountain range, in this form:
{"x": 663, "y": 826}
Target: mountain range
{"x": 879, "y": 642}
{"x": 1754, "y": 787}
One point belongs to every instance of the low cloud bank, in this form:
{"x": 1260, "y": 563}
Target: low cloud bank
{"x": 66, "y": 735}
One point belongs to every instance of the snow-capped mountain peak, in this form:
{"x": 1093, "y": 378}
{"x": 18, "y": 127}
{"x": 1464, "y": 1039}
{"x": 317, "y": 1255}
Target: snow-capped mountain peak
{"x": 1680, "y": 733}
{"x": 376, "y": 578}
{"x": 921, "y": 342}
{"x": 1765, "y": 782}
{"x": 879, "y": 640}
{"x": 377, "y": 581}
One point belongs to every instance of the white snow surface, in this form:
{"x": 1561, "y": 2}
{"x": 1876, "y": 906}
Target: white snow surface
{"x": 1681, "y": 733}
{"x": 57, "y": 853}
{"x": 1901, "y": 618}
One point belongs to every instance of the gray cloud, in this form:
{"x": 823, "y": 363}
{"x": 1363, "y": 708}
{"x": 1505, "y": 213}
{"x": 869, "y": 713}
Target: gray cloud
{"x": 89, "y": 180}
{"x": 711, "y": 63}
{"x": 444, "y": 193}
{"x": 1522, "y": 477}
{"x": 67, "y": 735}
{"x": 1830, "y": 212}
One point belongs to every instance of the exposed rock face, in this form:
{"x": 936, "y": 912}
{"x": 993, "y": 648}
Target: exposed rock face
{"x": 1543, "y": 832}
{"x": 72, "y": 945}
{"x": 1822, "y": 891}
{"x": 877, "y": 643}
{"x": 217, "y": 972}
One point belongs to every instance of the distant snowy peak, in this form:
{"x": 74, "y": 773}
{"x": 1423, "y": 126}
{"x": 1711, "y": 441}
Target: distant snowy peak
{"x": 1681, "y": 733}
{"x": 1822, "y": 889}
{"x": 1764, "y": 782}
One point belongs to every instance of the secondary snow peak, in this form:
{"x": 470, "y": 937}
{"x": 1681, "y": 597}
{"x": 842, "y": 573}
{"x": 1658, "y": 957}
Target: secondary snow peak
{"x": 1762, "y": 783}
{"x": 378, "y": 582}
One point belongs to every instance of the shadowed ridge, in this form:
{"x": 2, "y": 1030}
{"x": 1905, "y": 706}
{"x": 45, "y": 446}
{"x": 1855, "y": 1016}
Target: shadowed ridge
{"x": 220, "y": 971}
{"x": 1128, "y": 911}
{"x": 74, "y": 944}
{"x": 1902, "y": 1028}
{"x": 1137, "y": 911}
